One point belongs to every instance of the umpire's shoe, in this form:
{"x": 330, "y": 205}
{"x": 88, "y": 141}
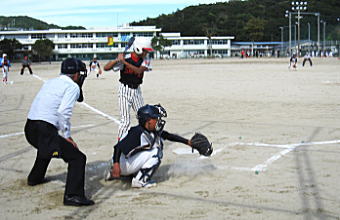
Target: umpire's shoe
{"x": 77, "y": 201}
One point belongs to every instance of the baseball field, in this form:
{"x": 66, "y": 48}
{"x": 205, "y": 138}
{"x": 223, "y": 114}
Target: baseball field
{"x": 275, "y": 133}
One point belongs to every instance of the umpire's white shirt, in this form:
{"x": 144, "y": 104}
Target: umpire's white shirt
{"x": 54, "y": 103}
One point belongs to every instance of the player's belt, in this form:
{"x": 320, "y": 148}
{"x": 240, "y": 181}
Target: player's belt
{"x": 132, "y": 86}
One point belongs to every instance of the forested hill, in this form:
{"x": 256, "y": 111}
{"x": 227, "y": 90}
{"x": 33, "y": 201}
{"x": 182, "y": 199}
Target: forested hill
{"x": 257, "y": 20}
{"x": 28, "y": 23}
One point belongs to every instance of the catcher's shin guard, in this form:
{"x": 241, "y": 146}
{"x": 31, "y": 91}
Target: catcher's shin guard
{"x": 143, "y": 177}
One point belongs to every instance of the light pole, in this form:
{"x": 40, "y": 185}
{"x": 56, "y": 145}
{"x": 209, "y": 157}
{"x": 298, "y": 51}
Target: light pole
{"x": 308, "y": 24}
{"x": 281, "y": 38}
{"x": 318, "y": 22}
{"x": 324, "y": 36}
{"x": 295, "y": 37}
{"x": 289, "y": 15}
{"x": 299, "y": 6}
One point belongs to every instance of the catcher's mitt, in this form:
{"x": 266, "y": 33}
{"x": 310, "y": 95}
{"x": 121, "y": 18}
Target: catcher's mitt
{"x": 201, "y": 143}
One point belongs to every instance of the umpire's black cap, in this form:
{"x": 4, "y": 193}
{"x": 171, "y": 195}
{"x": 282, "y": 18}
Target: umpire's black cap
{"x": 72, "y": 66}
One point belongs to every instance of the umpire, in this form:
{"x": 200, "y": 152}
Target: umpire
{"x": 51, "y": 111}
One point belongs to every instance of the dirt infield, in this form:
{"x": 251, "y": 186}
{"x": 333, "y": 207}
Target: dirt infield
{"x": 275, "y": 132}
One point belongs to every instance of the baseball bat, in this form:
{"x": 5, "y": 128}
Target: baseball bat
{"x": 116, "y": 67}
{"x": 131, "y": 40}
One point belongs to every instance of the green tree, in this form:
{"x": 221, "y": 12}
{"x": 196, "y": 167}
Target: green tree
{"x": 159, "y": 43}
{"x": 43, "y": 48}
{"x": 209, "y": 31}
{"x": 255, "y": 29}
{"x": 9, "y": 46}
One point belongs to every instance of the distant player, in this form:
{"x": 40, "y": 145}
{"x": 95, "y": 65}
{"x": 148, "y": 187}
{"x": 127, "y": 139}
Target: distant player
{"x": 26, "y": 63}
{"x": 95, "y": 67}
{"x": 293, "y": 62}
{"x": 4, "y": 64}
{"x": 307, "y": 58}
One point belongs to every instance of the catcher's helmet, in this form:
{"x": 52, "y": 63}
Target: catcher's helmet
{"x": 152, "y": 111}
{"x": 140, "y": 44}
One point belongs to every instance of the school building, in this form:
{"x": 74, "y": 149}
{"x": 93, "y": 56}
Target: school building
{"x": 86, "y": 44}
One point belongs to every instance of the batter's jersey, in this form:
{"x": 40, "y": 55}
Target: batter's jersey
{"x": 127, "y": 76}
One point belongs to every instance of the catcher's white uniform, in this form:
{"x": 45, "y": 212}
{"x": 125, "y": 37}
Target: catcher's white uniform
{"x": 140, "y": 153}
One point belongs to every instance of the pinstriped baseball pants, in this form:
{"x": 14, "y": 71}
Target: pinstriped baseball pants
{"x": 128, "y": 98}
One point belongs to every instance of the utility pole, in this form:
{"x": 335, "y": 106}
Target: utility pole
{"x": 289, "y": 15}
{"x": 318, "y": 15}
{"x": 281, "y": 39}
{"x": 308, "y": 24}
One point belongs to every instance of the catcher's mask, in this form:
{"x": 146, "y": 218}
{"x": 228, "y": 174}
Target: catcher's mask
{"x": 72, "y": 66}
{"x": 152, "y": 111}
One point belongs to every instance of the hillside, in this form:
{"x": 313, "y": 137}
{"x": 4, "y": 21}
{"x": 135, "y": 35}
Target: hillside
{"x": 28, "y": 23}
{"x": 257, "y": 20}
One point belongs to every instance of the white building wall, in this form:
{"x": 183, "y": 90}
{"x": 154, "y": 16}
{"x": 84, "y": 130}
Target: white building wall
{"x": 94, "y": 37}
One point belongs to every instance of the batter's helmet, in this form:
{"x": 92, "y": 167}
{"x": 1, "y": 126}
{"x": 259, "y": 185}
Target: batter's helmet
{"x": 152, "y": 111}
{"x": 140, "y": 44}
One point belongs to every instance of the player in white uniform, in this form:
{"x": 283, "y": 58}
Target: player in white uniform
{"x": 131, "y": 77}
{"x": 4, "y": 64}
{"x": 140, "y": 150}
{"x": 95, "y": 67}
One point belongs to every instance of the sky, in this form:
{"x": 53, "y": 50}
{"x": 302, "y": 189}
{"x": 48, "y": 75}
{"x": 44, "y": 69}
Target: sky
{"x": 95, "y": 13}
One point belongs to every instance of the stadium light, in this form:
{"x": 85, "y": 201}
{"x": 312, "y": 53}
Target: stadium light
{"x": 299, "y": 6}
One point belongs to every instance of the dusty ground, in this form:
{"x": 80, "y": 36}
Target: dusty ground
{"x": 276, "y": 135}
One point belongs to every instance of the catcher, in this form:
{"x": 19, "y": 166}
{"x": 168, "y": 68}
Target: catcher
{"x": 140, "y": 150}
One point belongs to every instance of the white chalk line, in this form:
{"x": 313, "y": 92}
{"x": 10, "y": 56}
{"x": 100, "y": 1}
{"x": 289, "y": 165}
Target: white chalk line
{"x": 286, "y": 146}
{"x": 264, "y": 166}
{"x": 38, "y": 77}
{"x": 100, "y": 112}
{"x": 22, "y": 133}
{"x": 89, "y": 106}
{"x": 290, "y": 147}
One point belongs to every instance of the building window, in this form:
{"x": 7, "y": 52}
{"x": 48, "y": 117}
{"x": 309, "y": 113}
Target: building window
{"x": 220, "y": 52}
{"x": 62, "y": 35}
{"x": 143, "y": 34}
{"x": 38, "y": 36}
{"x": 62, "y": 46}
{"x": 81, "y": 45}
{"x": 104, "y": 45}
{"x": 219, "y": 42}
{"x": 15, "y": 36}
{"x": 106, "y": 34}
{"x": 125, "y": 34}
{"x": 81, "y": 35}
{"x": 193, "y": 42}
{"x": 176, "y": 42}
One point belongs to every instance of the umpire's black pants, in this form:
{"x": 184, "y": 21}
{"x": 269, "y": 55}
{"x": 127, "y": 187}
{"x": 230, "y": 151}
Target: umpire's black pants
{"x": 23, "y": 69}
{"x": 45, "y": 138}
